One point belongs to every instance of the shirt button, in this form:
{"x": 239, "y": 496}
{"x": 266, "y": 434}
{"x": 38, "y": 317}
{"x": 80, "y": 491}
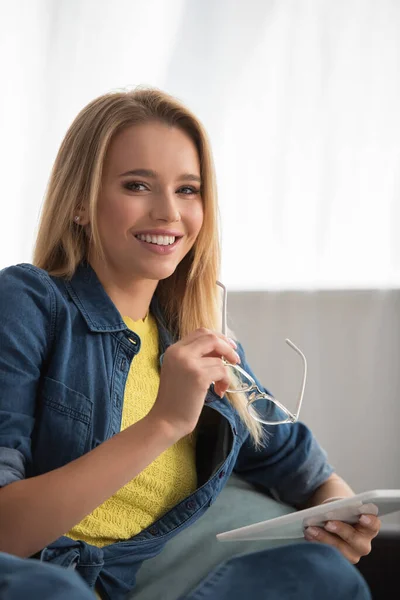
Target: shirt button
{"x": 221, "y": 474}
{"x": 153, "y": 530}
{"x": 190, "y": 505}
{"x": 123, "y": 364}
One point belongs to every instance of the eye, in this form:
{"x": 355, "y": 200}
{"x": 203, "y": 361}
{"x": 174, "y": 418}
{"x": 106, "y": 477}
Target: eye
{"x": 133, "y": 186}
{"x": 187, "y": 190}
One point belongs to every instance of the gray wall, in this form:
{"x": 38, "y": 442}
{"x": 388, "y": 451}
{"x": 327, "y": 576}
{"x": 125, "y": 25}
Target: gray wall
{"x": 352, "y": 343}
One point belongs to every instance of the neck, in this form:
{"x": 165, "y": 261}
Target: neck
{"x": 131, "y": 296}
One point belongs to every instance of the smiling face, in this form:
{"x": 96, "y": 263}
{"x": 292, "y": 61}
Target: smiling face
{"x": 150, "y": 209}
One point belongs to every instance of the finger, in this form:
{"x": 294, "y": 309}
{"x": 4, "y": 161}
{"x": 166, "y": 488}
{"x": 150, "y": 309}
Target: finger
{"x": 318, "y": 534}
{"x": 213, "y": 362}
{"x": 359, "y": 542}
{"x": 202, "y": 331}
{"x": 369, "y": 525}
{"x": 218, "y": 373}
{"x": 213, "y": 345}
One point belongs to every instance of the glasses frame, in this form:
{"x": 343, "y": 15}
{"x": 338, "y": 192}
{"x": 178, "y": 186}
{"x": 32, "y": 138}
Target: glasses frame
{"x": 252, "y": 387}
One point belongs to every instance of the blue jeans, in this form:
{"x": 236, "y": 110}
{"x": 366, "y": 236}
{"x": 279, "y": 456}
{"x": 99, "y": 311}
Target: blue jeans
{"x": 28, "y": 578}
{"x": 295, "y": 572}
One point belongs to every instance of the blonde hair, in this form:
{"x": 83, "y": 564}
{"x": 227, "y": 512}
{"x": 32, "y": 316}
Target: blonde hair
{"x": 189, "y": 298}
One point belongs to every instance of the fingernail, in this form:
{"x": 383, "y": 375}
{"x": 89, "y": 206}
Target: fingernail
{"x": 365, "y": 520}
{"x": 238, "y": 357}
{"x": 232, "y": 343}
{"x": 330, "y": 526}
{"x": 312, "y": 531}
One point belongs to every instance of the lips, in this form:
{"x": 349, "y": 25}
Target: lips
{"x": 159, "y": 248}
{"x": 170, "y": 232}
{"x": 160, "y": 240}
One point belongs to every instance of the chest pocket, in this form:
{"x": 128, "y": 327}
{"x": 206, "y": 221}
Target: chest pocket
{"x": 63, "y": 426}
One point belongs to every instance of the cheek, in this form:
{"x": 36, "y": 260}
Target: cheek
{"x": 113, "y": 214}
{"x": 111, "y": 223}
{"x": 195, "y": 219}
{"x": 106, "y": 212}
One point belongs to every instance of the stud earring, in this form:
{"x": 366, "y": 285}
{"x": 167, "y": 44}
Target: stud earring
{"x": 76, "y": 219}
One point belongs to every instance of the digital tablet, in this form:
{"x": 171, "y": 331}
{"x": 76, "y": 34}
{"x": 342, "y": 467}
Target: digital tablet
{"x": 374, "y": 502}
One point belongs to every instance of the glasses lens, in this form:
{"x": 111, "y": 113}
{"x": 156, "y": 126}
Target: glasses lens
{"x": 266, "y": 410}
{"x": 240, "y": 380}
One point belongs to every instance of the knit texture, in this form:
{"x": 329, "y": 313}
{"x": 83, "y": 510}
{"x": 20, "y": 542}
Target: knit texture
{"x": 170, "y": 478}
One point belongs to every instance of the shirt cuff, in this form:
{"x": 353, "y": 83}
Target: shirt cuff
{"x": 302, "y": 483}
{"x": 12, "y": 466}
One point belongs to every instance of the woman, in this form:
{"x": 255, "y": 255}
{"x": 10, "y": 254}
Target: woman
{"x": 117, "y": 429}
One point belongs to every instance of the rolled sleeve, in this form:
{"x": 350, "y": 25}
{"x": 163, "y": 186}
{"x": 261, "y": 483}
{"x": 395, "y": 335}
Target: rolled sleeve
{"x": 290, "y": 466}
{"x": 26, "y": 310}
{"x": 12, "y": 466}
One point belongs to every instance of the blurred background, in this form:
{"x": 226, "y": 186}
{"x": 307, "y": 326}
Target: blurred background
{"x": 301, "y": 102}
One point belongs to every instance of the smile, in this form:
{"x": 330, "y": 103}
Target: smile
{"x": 160, "y": 240}
{"x": 158, "y": 244}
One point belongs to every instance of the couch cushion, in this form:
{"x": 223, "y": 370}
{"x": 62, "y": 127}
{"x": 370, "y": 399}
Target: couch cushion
{"x": 189, "y": 557}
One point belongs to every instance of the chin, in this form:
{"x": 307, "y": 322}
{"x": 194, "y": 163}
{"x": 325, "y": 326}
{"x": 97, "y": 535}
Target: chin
{"x": 158, "y": 274}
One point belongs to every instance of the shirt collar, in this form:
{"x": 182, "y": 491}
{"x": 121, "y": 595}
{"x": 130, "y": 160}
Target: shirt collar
{"x": 99, "y": 311}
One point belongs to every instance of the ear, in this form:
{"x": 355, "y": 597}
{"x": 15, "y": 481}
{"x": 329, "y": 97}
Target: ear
{"x": 81, "y": 216}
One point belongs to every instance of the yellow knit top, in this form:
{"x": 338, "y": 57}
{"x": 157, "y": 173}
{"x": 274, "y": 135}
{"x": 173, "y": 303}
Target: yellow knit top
{"x": 165, "y": 482}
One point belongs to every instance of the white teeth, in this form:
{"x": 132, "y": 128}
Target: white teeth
{"x": 160, "y": 240}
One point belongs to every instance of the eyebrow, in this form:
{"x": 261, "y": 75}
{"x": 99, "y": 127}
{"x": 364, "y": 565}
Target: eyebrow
{"x": 153, "y": 175}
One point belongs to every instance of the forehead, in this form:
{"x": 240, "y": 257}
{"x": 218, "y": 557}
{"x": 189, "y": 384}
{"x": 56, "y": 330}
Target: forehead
{"x": 153, "y": 146}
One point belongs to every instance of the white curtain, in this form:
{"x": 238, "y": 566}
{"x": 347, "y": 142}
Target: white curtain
{"x": 300, "y": 98}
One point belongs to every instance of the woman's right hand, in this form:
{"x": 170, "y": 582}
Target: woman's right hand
{"x": 189, "y": 367}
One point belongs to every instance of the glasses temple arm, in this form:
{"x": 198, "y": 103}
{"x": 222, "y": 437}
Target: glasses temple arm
{"x": 303, "y": 385}
{"x": 224, "y": 308}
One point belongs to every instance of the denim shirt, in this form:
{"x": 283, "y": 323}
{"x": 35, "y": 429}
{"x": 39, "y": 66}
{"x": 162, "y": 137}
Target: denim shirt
{"x": 65, "y": 353}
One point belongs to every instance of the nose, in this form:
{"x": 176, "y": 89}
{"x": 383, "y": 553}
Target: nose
{"x": 165, "y": 208}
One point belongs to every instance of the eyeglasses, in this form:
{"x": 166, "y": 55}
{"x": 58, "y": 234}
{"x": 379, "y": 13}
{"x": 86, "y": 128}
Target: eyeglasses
{"x": 260, "y": 405}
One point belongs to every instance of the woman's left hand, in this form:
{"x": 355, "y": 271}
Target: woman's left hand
{"x": 353, "y": 541}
